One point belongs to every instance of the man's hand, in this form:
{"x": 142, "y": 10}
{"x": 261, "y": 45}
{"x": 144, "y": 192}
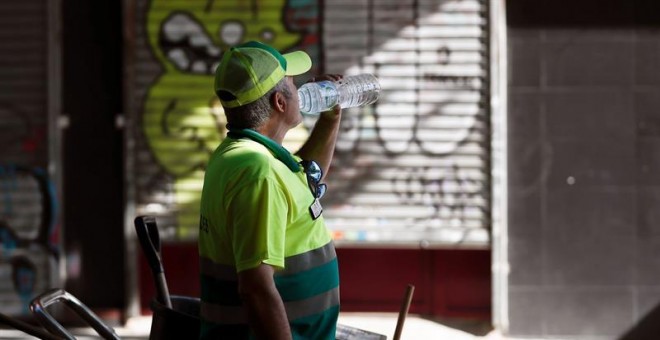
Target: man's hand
{"x": 335, "y": 112}
{"x": 331, "y": 115}
{"x": 320, "y": 145}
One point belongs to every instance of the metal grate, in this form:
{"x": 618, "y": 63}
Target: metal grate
{"x": 412, "y": 168}
{"x": 28, "y": 253}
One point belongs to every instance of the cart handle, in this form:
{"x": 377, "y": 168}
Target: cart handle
{"x": 40, "y": 303}
{"x": 27, "y": 328}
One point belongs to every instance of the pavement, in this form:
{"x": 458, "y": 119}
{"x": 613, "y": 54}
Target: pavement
{"x": 414, "y": 327}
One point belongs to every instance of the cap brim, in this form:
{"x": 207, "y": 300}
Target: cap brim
{"x": 297, "y": 62}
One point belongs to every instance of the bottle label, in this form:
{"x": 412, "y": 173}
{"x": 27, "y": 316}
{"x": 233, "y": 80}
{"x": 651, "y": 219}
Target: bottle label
{"x": 328, "y": 93}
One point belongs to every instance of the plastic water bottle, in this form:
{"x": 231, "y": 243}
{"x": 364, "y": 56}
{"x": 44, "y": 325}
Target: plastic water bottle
{"x": 351, "y": 91}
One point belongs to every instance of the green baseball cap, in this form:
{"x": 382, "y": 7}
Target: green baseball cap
{"x": 248, "y": 71}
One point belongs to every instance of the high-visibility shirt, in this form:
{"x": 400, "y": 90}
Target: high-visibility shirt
{"x": 255, "y": 210}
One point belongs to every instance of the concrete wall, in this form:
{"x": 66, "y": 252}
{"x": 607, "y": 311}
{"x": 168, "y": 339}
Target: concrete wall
{"x": 584, "y": 161}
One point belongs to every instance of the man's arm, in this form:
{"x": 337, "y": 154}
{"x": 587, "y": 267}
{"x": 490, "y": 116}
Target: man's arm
{"x": 320, "y": 145}
{"x": 266, "y": 313}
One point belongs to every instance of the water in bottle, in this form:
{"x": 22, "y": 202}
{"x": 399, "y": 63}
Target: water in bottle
{"x": 351, "y": 91}
{"x": 317, "y": 97}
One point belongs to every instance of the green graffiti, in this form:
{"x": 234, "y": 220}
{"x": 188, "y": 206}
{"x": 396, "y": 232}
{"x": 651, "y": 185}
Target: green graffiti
{"x": 182, "y": 121}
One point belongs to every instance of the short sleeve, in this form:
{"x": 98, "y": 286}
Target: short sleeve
{"x": 258, "y": 217}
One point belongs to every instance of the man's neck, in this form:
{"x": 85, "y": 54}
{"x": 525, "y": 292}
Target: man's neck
{"x": 273, "y": 130}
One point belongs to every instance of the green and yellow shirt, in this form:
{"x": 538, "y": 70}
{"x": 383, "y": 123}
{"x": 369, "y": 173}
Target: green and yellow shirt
{"x": 255, "y": 210}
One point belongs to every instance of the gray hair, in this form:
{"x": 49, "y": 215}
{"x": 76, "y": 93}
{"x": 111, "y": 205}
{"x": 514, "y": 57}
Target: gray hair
{"x": 253, "y": 115}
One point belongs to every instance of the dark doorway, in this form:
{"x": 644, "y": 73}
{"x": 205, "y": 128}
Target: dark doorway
{"x": 93, "y": 152}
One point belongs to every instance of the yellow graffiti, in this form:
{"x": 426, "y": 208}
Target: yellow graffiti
{"x": 182, "y": 121}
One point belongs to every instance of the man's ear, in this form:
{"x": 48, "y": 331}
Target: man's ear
{"x": 278, "y": 101}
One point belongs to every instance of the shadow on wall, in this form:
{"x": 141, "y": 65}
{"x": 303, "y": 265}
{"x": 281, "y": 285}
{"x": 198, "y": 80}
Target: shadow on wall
{"x": 648, "y": 328}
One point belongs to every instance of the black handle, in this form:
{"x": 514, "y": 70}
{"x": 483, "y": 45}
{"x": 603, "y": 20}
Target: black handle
{"x": 147, "y": 231}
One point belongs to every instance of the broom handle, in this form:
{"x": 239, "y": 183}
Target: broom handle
{"x": 404, "y": 311}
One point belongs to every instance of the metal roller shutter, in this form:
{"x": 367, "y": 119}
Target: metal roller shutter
{"x": 413, "y": 168}
{"x": 28, "y": 239}
{"x": 178, "y": 121}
